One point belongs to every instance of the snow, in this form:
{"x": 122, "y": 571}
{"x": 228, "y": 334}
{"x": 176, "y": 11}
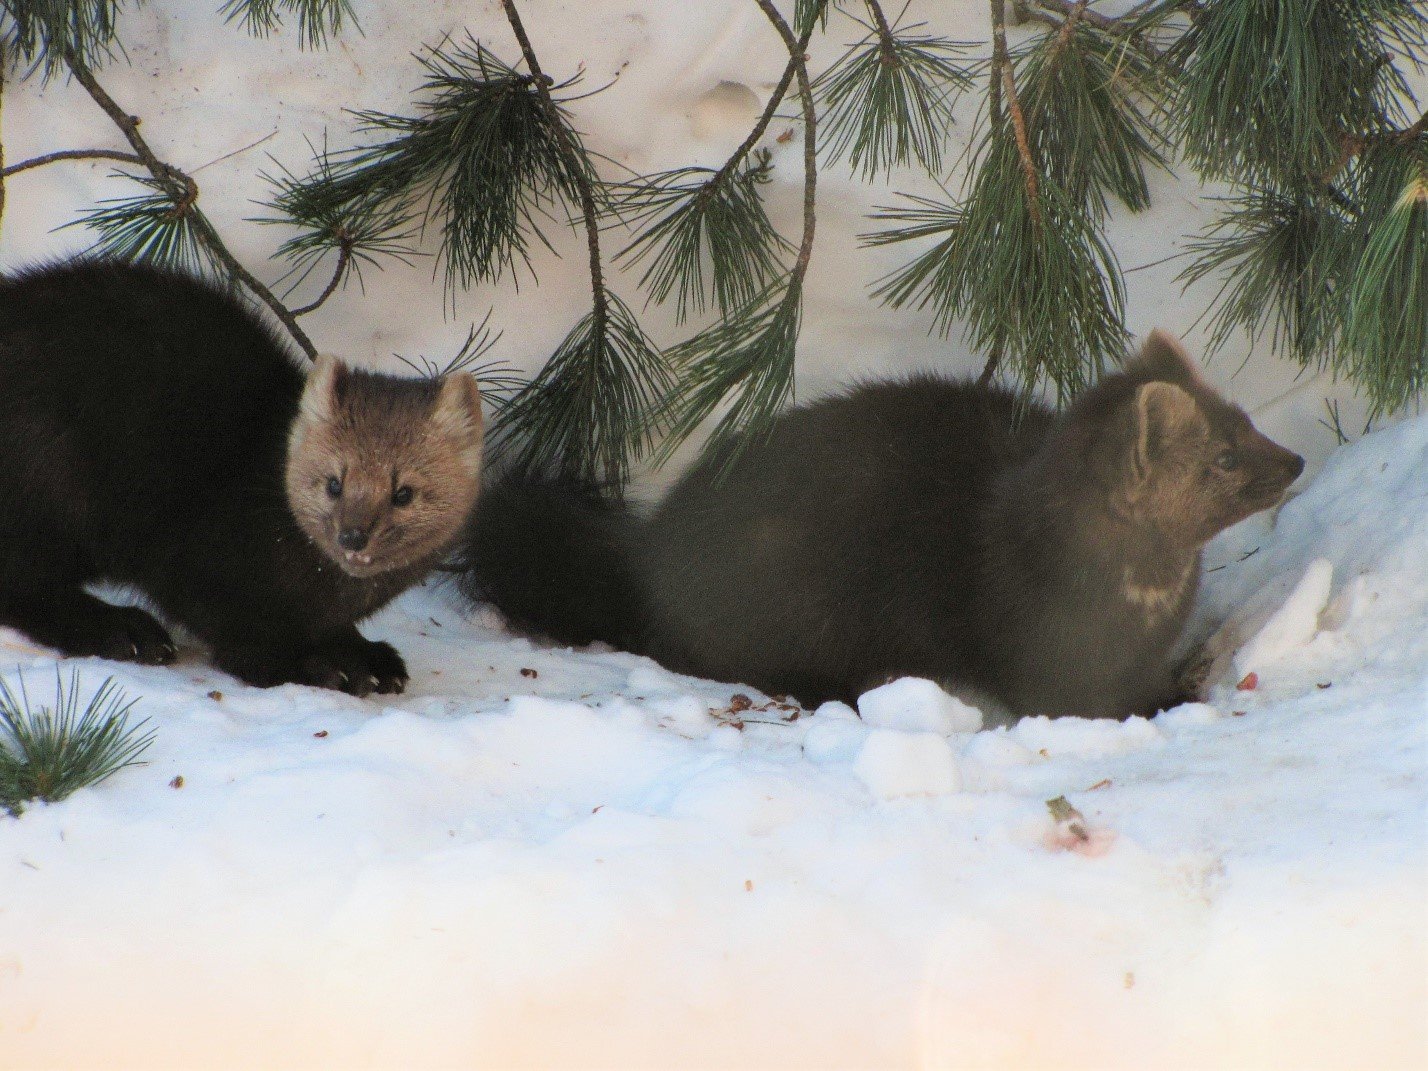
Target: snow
{"x": 916, "y": 704}
{"x": 546, "y": 857}
{"x": 540, "y": 857}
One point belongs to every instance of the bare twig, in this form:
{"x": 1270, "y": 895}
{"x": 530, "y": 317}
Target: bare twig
{"x": 1416, "y": 129}
{"x": 810, "y": 140}
{"x": 185, "y": 191}
{"x": 770, "y": 110}
{"x": 1002, "y": 73}
{"x": 344, "y": 257}
{"x": 989, "y": 370}
{"x": 600, "y": 302}
{"x": 70, "y": 154}
{"x": 886, "y": 43}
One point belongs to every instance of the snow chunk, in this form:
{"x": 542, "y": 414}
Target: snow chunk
{"x": 917, "y": 705}
{"x": 894, "y": 764}
{"x": 1086, "y": 738}
{"x": 1294, "y": 624}
{"x": 833, "y": 741}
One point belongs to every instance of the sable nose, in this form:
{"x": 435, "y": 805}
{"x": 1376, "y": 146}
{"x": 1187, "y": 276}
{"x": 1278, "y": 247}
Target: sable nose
{"x": 352, "y": 539}
{"x": 1295, "y": 466}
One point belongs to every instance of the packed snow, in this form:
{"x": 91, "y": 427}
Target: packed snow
{"x": 540, "y": 857}
{"x": 546, "y": 857}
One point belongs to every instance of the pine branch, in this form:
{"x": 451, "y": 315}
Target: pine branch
{"x": 184, "y": 190}
{"x": 577, "y": 164}
{"x": 159, "y": 227}
{"x": 753, "y": 351}
{"x": 697, "y": 217}
{"x": 1082, "y": 96}
{"x": 1041, "y": 291}
{"x": 590, "y": 412}
{"x": 487, "y": 155}
{"x": 1386, "y": 310}
{"x": 356, "y": 233}
{"x": 317, "y": 19}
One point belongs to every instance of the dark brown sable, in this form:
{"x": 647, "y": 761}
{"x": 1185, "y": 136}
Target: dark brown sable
{"x": 922, "y": 527}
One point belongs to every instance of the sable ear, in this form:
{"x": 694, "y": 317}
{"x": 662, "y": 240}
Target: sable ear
{"x": 1163, "y": 413}
{"x": 458, "y": 414}
{"x": 458, "y": 405}
{"x": 325, "y": 381}
{"x": 1163, "y": 358}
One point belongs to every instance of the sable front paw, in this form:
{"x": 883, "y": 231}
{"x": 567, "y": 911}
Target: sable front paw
{"x": 356, "y": 666}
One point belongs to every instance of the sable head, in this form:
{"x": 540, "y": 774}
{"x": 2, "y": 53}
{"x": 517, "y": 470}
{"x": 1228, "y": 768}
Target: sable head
{"x": 1177, "y": 455}
{"x": 382, "y": 472}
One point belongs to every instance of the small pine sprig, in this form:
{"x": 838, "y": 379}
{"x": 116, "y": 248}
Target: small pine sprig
{"x": 888, "y": 100}
{"x": 1089, "y": 102}
{"x": 591, "y": 411}
{"x": 485, "y": 155}
{"x": 42, "y": 33}
{"x": 318, "y": 20}
{"x": 703, "y": 235}
{"x": 1386, "y": 311}
{"x": 1279, "y": 253}
{"x": 353, "y": 232}
{"x": 749, "y": 354}
{"x": 160, "y": 227}
{"x": 50, "y": 753}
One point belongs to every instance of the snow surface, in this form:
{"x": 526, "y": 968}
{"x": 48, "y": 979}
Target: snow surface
{"x": 545, "y": 857}
{"x": 542, "y": 858}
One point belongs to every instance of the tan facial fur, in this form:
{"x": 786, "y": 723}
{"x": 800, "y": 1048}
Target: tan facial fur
{"x": 383, "y": 472}
{"x": 1197, "y": 465}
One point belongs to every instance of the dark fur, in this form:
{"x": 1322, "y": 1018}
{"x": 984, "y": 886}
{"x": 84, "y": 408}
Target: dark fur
{"x": 144, "y": 427}
{"x": 924, "y": 527}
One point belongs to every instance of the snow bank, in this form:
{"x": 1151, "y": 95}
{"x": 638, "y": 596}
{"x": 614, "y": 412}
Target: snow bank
{"x": 544, "y": 857}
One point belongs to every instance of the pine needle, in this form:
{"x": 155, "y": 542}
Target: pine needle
{"x": 317, "y": 19}
{"x": 484, "y": 156}
{"x": 43, "y": 32}
{"x": 1087, "y": 98}
{"x": 749, "y": 354}
{"x": 1386, "y": 325}
{"x": 1278, "y": 253}
{"x": 591, "y": 410}
{"x": 50, "y": 753}
{"x": 887, "y": 102}
{"x": 1042, "y": 291}
{"x": 706, "y": 238}
{"x": 156, "y": 228}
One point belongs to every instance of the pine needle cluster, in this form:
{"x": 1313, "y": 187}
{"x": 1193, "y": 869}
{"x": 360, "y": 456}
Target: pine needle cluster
{"x": 52, "y": 752}
{"x": 1305, "y": 108}
{"x": 1302, "y": 107}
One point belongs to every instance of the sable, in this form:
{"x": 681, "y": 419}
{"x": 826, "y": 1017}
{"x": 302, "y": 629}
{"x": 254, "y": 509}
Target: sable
{"x": 925, "y": 527}
{"x": 155, "y": 432}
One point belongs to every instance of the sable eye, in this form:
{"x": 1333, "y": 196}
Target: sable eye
{"x": 334, "y": 487}
{"x": 1229, "y": 461}
{"x": 402, "y": 496}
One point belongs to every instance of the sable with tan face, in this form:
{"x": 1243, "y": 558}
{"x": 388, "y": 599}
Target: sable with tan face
{"x": 382, "y": 472}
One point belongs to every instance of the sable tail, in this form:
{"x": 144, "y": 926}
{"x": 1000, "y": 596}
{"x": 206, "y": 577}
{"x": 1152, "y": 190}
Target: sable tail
{"x": 555, "y": 560}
